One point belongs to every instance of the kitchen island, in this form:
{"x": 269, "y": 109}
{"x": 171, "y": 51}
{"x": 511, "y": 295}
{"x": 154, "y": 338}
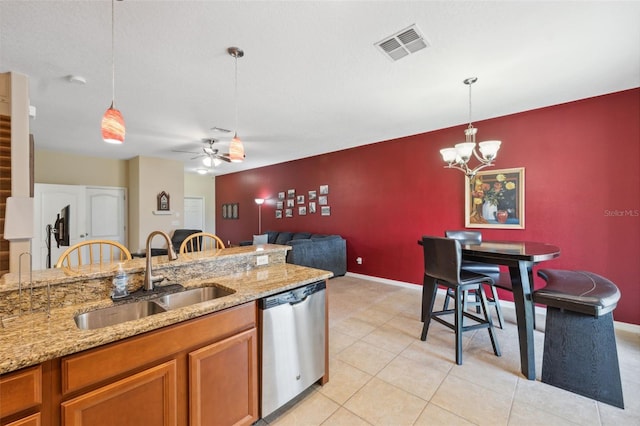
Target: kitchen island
{"x": 170, "y": 354}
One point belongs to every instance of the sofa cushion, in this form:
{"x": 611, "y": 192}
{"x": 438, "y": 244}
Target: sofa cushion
{"x": 301, "y": 236}
{"x": 283, "y": 237}
{"x": 260, "y": 239}
{"x": 272, "y": 236}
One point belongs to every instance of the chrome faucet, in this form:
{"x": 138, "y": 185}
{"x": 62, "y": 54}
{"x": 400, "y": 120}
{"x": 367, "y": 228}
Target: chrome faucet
{"x": 149, "y": 279}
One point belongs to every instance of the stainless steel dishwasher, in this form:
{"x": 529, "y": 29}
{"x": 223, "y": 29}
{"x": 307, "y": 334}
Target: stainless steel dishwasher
{"x": 293, "y": 343}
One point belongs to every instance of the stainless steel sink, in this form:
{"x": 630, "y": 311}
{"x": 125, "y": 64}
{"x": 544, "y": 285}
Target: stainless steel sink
{"x": 136, "y": 310}
{"x": 117, "y": 314}
{"x": 191, "y": 297}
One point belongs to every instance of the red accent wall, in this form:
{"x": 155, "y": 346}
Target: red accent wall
{"x": 582, "y": 165}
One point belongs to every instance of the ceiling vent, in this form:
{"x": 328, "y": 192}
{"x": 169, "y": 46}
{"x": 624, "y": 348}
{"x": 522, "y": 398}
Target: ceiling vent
{"x": 403, "y": 43}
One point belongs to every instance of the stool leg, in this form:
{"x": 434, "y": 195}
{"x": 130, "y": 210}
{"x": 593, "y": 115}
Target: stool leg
{"x": 487, "y": 317}
{"x": 429, "y": 289}
{"x": 458, "y": 323}
{"x": 496, "y": 301}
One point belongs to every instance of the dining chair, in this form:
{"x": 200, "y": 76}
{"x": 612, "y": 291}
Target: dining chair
{"x": 443, "y": 267}
{"x": 475, "y": 237}
{"x": 201, "y": 241}
{"x": 93, "y": 252}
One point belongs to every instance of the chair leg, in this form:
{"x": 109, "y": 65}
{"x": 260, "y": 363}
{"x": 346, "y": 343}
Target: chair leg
{"x": 477, "y": 296}
{"x": 496, "y": 300}
{"x": 458, "y": 324}
{"x": 427, "y": 310}
{"x": 487, "y": 317}
{"x": 445, "y": 305}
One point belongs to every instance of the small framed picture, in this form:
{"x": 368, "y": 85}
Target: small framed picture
{"x": 288, "y": 213}
{"x": 279, "y": 204}
{"x": 302, "y": 210}
{"x": 312, "y": 206}
{"x": 281, "y": 195}
{"x": 325, "y": 211}
{"x": 322, "y": 200}
{"x": 324, "y": 189}
{"x": 278, "y": 214}
{"x": 300, "y": 199}
{"x": 291, "y": 193}
{"x": 224, "y": 211}
{"x": 312, "y": 195}
{"x": 291, "y": 202}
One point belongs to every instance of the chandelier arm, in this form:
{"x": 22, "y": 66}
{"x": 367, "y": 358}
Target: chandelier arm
{"x": 481, "y": 158}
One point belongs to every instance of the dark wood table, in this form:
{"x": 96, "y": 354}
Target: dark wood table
{"x": 519, "y": 257}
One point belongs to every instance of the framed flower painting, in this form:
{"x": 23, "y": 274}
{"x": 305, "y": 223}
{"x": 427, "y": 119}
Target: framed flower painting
{"x": 495, "y": 199}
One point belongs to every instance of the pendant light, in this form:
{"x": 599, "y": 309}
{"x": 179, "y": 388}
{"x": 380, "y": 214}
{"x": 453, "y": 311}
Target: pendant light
{"x": 113, "y": 129}
{"x": 236, "y": 149}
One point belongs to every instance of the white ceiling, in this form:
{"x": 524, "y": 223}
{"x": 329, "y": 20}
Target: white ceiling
{"x": 311, "y": 80}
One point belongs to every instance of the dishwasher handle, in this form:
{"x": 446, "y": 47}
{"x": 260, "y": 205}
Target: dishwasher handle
{"x": 292, "y": 297}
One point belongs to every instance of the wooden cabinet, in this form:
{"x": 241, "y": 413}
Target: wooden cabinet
{"x": 201, "y": 371}
{"x": 146, "y": 398}
{"x": 21, "y": 396}
{"x": 223, "y": 382}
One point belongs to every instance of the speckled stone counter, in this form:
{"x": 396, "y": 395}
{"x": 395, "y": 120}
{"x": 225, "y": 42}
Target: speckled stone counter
{"x": 35, "y": 337}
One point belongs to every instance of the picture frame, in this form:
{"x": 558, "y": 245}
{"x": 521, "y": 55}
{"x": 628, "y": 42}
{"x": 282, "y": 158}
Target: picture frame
{"x": 291, "y": 193}
{"x": 322, "y": 200}
{"x": 324, "y": 189}
{"x": 300, "y": 199}
{"x": 312, "y": 195}
{"x": 279, "y": 205}
{"x": 495, "y": 199}
{"x": 302, "y": 210}
{"x": 325, "y": 211}
{"x": 312, "y": 206}
{"x": 278, "y": 214}
{"x": 281, "y": 195}
{"x": 290, "y": 202}
{"x": 288, "y": 213}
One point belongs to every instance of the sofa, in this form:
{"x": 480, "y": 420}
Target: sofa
{"x": 327, "y": 252}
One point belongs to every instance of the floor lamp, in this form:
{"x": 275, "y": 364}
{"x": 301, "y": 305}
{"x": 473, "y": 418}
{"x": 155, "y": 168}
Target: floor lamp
{"x": 259, "y": 202}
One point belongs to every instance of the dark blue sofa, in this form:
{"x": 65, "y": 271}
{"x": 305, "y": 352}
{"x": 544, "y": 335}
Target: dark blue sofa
{"x": 327, "y": 252}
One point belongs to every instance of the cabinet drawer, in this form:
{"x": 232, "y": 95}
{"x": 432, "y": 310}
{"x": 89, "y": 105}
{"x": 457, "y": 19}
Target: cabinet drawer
{"x": 20, "y": 390}
{"x": 32, "y": 420}
{"x": 110, "y": 361}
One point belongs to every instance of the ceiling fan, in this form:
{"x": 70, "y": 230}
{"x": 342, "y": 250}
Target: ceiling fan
{"x": 210, "y": 156}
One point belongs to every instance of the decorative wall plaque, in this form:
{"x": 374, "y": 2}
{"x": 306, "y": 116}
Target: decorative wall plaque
{"x": 163, "y": 201}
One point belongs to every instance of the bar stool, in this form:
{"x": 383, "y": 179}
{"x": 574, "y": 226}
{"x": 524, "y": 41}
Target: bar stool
{"x": 442, "y": 266}
{"x": 580, "y": 352}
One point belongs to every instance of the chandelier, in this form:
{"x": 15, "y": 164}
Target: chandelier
{"x": 458, "y": 157}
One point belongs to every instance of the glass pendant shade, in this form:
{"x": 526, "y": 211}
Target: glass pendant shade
{"x": 465, "y": 150}
{"x": 236, "y": 150}
{"x": 113, "y": 128}
{"x": 206, "y": 161}
{"x": 448, "y": 154}
{"x": 489, "y": 149}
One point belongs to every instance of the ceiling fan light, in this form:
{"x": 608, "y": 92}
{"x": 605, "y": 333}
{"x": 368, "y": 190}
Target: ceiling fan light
{"x": 216, "y": 162}
{"x": 202, "y": 171}
{"x": 113, "y": 128}
{"x": 206, "y": 161}
{"x": 236, "y": 150}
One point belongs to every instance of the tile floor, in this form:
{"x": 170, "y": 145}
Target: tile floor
{"x": 382, "y": 374}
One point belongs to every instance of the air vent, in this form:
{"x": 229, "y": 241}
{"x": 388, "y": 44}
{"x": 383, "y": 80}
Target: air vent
{"x": 403, "y": 43}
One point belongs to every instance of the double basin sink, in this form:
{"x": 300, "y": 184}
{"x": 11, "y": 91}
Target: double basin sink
{"x": 143, "y": 308}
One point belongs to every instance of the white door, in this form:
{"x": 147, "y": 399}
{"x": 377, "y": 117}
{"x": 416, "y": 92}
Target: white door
{"x": 106, "y": 214}
{"x": 194, "y": 213}
{"x": 49, "y": 200}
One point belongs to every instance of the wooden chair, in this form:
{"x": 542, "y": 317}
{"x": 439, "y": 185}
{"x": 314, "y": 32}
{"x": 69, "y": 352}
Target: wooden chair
{"x": 99, "y": 252}
{"x": 201, "y": 241}
{"x": 442, "y": 266}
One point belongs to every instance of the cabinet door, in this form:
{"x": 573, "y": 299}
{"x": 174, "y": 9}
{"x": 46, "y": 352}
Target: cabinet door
{"x": 223, "y": 385}
{"x": 147, "y": 398}
{"x": 32, "y": 420}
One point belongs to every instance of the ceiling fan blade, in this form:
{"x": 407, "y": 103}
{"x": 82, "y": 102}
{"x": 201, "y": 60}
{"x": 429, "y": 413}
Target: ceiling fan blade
{"x": 224, "y": 157}
{"x": 186, "y": 152}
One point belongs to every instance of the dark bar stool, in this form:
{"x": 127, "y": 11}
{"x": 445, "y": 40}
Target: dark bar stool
{"x": 580, "y": 352}
{"x": 442, "y": 266}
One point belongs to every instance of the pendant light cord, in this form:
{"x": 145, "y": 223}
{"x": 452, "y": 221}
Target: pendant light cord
{"x": 236, "y": 90}
{"x": 113, "y": 60}
{"x": 470, "y": 125}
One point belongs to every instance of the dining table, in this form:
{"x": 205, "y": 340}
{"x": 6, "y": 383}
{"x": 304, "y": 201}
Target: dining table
{"x": 519, "y": 257}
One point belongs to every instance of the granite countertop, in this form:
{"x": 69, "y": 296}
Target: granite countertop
{"x": 34, "y": 338}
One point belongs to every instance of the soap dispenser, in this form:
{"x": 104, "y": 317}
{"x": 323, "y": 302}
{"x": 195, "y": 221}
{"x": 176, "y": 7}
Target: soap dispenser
{"x": 120, "y": 281}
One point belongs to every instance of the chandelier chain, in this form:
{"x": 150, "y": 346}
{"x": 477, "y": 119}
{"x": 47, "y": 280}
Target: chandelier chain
{"x": 113, "y": 60}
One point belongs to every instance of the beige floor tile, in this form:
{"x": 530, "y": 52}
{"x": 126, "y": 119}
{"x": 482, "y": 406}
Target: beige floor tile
{"x": 366, "y": 357}
{"x": 426, "y": 355}
{"x": 344, "y": 417}
{"x": 525, "y": 415}
{"x": 487, "y": 372}
{"x": 410, "y": 326}
{"x": 373, "y": 316}
{"x": 338, "y": 341}
{"x": 344, "y": 381}
{"x": 380, "y": 403}
{"x": 312, "y": 410}
{"x": 475, "y": 403}
{"x": 389, "y": 339}
{"x": 413, "y": 376}
{"x": 353, "y": 327}
{"x": 433, "y": 415}
{"x": 568, "y": 405}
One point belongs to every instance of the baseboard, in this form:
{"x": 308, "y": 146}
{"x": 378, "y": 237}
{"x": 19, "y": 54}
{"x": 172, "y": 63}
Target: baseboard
{"x": 505, "y": 304}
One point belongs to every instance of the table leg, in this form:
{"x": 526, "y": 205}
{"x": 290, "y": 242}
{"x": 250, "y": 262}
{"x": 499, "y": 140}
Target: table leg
{"x": 429, "y": 289}
{"x": 521, "y": 280}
